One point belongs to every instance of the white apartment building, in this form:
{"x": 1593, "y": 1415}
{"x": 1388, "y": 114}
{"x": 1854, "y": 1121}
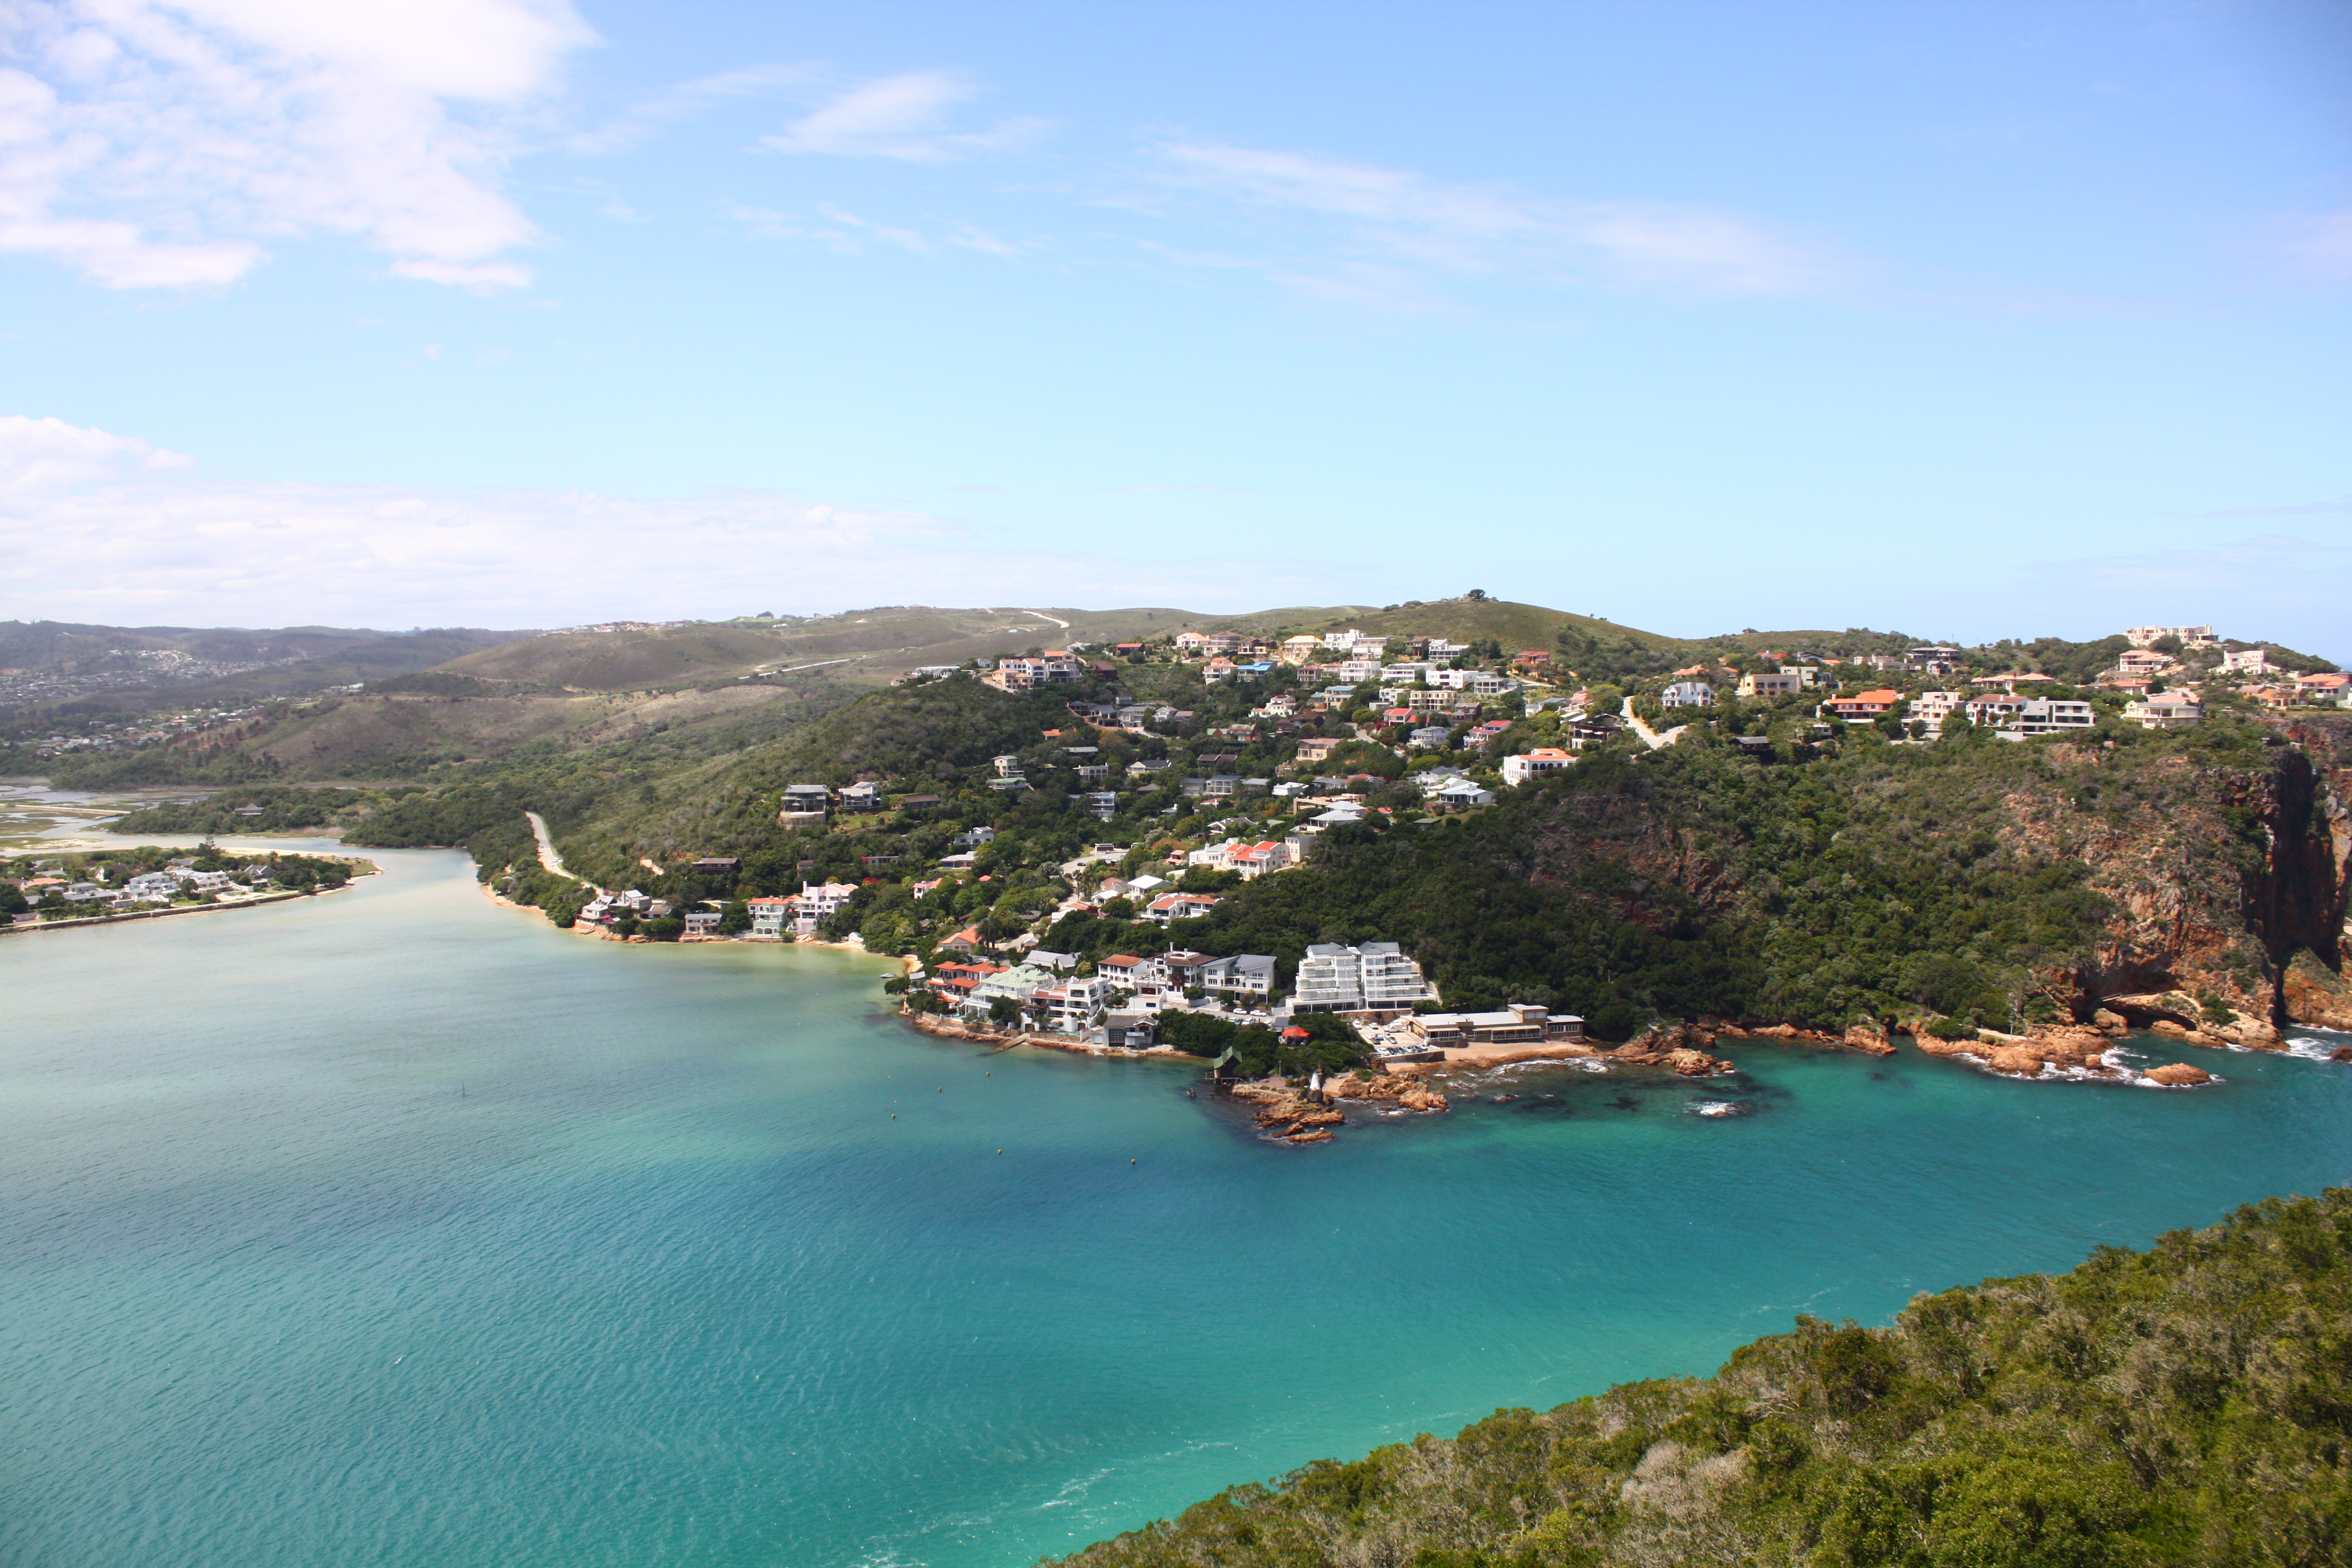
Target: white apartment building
{"x": 2190, "y": 637}
{"x": 817, "y": 900}
{"x": 2251, "y": 661}
{"x": 1071, "y": 1006}
{"x": 2046, "y": 716}
{"x": 1932, "y": 708}
{"x": 1376, "y": 974}
{"x": 768, "y": 917}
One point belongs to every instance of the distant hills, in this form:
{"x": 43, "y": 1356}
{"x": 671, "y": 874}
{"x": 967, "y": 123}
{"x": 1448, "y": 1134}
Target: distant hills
{"x": 63, "y": 667}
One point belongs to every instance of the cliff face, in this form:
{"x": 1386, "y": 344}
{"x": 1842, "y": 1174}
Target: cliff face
{"x": 2180, "y": 874}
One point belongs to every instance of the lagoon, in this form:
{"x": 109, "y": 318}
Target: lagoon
{"x": 394, "y": 1227}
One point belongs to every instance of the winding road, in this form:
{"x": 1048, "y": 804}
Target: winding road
{"x": 1650, "y": 737}
{"x": 547, "y": 855}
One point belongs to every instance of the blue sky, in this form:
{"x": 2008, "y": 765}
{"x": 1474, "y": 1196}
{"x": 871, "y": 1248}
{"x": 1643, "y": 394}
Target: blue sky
{"x": 1974, "y": 320}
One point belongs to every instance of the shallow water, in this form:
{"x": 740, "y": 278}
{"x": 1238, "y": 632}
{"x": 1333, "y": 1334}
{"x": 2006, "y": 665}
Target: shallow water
{"x": 393, "y": 1228}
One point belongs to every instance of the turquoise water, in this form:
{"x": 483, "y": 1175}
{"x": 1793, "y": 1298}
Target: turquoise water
{"x": 393, "y": 1228}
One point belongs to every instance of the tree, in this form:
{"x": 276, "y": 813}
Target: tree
{"x": 1004, "y": 1011}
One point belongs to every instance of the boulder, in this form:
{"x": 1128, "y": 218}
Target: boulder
{"x": 2019, "y": 1059}
{"x": 1870, "y": 1038}
{"x": 2111, "y": 1023}
{"x": 1694, "y": 1064}
{"x": 2180, "y": 1075}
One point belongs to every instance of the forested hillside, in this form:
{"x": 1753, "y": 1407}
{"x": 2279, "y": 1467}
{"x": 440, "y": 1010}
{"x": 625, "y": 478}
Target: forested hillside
{"x": 2189, "y": 1405}
{"x": 1769, "y": 866}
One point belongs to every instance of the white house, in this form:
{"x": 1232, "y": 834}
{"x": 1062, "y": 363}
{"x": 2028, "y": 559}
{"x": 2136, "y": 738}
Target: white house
{"x": 2166, "y": 710}
{"x": 1457, "y": 794}
{"x": 768, "y": 917}
{"x": 1518, "y": 770}
{"x": 2253, "y": 660}
{"x": 1688, "y": 694}
{"x": 1246, "y": 975}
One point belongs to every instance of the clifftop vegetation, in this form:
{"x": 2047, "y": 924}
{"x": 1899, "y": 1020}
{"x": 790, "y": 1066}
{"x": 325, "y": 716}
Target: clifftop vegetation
{"x": 2190, "y": 1404}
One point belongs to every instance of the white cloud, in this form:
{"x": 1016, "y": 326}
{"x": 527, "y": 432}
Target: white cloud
{"x": 94, "y": 530}
{"x": 152, "y": 145}
{"x": 43, "y": 456}
{"x": 1398, "y": 222}
{"x": 904, "y": 117}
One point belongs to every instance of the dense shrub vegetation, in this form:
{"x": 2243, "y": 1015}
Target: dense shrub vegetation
{"x": 2191, "y": 1404}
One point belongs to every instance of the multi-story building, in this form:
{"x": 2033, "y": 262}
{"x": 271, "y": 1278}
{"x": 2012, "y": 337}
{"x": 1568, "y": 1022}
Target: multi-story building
{"x": 1932, "y": 708}
{"x": 1244, "y": 975}
{"x": 2049, "y": 716}
{"x": 1375, "y": 975}
{"x": 816, "y": 900}
{"x": 1773, "y": 683}
{"x": 2188, "y": 637}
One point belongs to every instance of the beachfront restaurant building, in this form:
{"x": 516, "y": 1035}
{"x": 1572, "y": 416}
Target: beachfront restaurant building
{"x": 1521, "y": 1023}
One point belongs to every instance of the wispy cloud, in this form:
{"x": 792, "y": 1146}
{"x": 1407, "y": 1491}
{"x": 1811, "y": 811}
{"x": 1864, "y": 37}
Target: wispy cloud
{"x": 152, "y": 145}
{"x": 850, "y": 234}
{"x": 648, "y": 118}
{"x": 905, "y": 117}
{"x": 2323, "y": 246}
{"x": 1396, "y": 225}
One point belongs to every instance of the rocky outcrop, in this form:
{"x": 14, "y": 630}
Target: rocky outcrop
{"x": 1683, "y": 1047}
{"x": 1864, "y": 1038}
{"x": 2180, "y": 1075}
{"x": 2314, "y": 993}
{"x": 2076, "y": 1047}
{"x": 1293, "y": 1116}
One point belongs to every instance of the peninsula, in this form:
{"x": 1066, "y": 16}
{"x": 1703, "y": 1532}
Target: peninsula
{"x": 1357, "y": 840}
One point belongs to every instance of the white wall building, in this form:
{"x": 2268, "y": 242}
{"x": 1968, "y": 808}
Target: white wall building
{"x": 1376, "y": 974}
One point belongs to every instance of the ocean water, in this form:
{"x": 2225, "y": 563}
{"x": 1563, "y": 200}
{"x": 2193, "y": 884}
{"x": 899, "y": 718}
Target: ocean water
{"x": 392, "y": 1228}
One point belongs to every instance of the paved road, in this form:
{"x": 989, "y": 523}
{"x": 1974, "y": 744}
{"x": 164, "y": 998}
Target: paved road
{"x": 547, "y": 855}
{"x": 1650, "y": 737}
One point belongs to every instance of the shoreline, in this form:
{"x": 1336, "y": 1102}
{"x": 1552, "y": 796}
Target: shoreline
{"x": 122, "y": 917}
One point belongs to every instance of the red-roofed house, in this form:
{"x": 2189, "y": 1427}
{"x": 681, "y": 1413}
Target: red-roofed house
{"x": 1865, "y": 704}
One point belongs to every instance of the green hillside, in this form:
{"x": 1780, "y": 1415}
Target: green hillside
{"x": 2187, "y": 1405}
{"x": 1515, "y": 626}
